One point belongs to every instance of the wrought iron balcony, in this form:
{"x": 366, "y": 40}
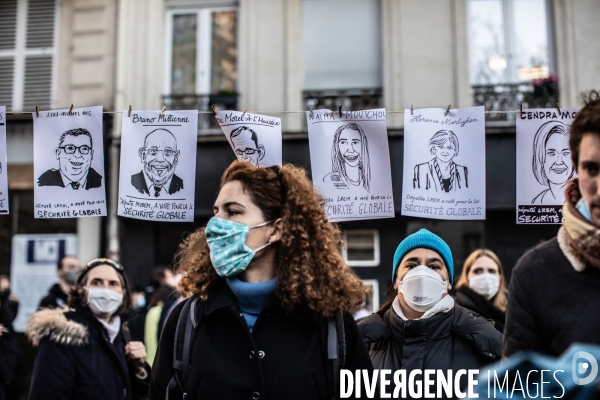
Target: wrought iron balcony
{"x": 349, "y": 99}
{"x": 509, "y": 97}
{"x": 223, "y": 101}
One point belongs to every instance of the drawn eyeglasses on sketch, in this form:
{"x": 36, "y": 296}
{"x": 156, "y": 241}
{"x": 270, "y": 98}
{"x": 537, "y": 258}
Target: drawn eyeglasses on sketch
{"x": 159, "y": 156}
{"x": 350, "y": 163}
{"x": 74, "y": 154}
{"x": 551, "y": 162}
{"x": 441, "y": 173}
{"x": 70, "y": 149}
{"x": 248, "y": 152}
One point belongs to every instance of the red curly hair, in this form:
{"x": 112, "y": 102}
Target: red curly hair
{"x": 311, "y": 272}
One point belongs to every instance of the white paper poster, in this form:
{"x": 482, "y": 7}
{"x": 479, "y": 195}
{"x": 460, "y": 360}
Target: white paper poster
{"x": 254, "y": 138}
{"x": 68, "y": 165}
{"x": 158, "y": 165}
{"x": 350, "y": 161}
{"x": 544, "y": 164}
{"x": 444, "y": 164}
{"x": 3, "y": 165}
{"x": 33, "y": 269}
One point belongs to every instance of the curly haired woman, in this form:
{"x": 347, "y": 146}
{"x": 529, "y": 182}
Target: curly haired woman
{"x": 269, "y": 274}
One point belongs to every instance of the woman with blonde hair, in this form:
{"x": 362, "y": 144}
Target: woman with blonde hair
{"x": 482, "y": 287}
{"x": 269, "y": 282}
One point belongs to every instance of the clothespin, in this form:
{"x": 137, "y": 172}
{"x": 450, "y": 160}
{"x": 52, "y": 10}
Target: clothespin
{"x": 71, "y": 109}
{"x": 340, "y": 111}
{"x": 212, "y": 107}
{"x": 37, "y": 111}
{"x": 244, "y": 110}
{"x": 162, "y": 112}
{"x": 311, "y": 112}
{"x": 447, "y": 110}
{"x": 411, "y": 109}
{"x": 129, "y": 113}
{"x": 558, "y": 108}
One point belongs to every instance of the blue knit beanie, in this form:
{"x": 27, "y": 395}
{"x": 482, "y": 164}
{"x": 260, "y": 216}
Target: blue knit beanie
{"x": 427, "y": 240}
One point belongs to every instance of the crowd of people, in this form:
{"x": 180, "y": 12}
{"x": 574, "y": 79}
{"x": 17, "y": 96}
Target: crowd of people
{"x": 259, "y": 303}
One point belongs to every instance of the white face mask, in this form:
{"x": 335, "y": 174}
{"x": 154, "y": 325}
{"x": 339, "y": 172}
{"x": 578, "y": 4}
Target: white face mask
{"x": 104, "y": 302}
{"x": 422, "y": 288}
{"x": 485, "y": 284}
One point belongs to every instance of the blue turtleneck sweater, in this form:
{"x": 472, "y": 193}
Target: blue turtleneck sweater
{"x": 252, "y": 297}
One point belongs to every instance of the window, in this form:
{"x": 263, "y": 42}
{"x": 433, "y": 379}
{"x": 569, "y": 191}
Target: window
{"x": 341, "y": 44}
{"x": 509, "y": 41}
{"x": 28, "y": 43}
{"x": 372, "y": 302}
{"x": 201, "y": 51}
{"x": 362, "y": 248}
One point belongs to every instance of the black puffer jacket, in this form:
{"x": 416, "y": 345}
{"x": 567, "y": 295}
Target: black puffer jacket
{"x": 284, "y": 357}
{"x": 458, "y": 339}
{"x": 77, "y": 361}
{"x": 56, "y": 298}
{"x": 466, "y": 297}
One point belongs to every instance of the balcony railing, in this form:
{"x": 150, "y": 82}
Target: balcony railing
{"x": 349, "y": 99}
{"x": 202, "y": 103}
{"x": 510, "y": 96}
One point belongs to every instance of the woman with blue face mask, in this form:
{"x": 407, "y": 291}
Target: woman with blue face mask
{"x": 270, "y": 278}
{"x": 420, "y": 327}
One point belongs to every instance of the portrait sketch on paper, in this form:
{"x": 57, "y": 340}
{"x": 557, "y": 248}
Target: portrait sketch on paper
{"x": 350, "y": 164}
{"x": 441, "y": 173}
{"x": 245, "y": 145}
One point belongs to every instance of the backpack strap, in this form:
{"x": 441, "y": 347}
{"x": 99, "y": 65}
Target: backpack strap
{"x": 181, "y": 367}
{"x": 336, "y": 346}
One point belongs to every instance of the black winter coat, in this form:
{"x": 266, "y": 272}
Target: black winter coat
{"x": 458, "y": 339}
{"x": 76, "y": 360}
{"x": 56, "y": 298}
{"x": 284, "y": 357}
{"x": 551, "y": 305}
{"x": 468, "y": 298}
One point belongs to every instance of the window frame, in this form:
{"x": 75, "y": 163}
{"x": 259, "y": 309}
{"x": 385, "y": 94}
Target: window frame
{"x": 20, "y": 52}
{"x": 376, "y": 249}
{"x": 203, "y": 46}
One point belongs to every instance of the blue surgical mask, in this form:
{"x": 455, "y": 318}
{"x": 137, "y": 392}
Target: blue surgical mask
{"x": 584, "y": 209}
{"x": 140, "y": 303}
{"x": 227, "y": 243}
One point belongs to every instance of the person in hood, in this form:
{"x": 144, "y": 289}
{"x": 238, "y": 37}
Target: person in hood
{"x": 86, "y": 352}
{"x": 482, "y": 287}
{"x": 68, "y": 269}
{"x": 420, "y": 327}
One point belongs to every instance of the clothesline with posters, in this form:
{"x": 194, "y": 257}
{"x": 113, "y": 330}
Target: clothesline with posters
{"x": 443, "y": 174}
{"x": 281, "y": 112}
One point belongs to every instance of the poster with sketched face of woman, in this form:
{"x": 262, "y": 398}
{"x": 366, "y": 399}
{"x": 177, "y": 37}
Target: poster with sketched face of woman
{"x": 444, "y": 164}
{"x": 544, "y": 164}
{"x": 253, "y": 138}
{"x": 350, "y": 161}
{"x": 68, "y": 165}
{"x": 3, "y": 169}
{"x": 158, "y": 165}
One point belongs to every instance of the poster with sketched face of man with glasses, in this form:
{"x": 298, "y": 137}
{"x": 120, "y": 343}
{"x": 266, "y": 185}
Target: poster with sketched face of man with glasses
{"x": 254, "y": 138}
{"x": 69, "y": 163}
{"x": 158, "y": 165}
{"x": 3, "y": 171}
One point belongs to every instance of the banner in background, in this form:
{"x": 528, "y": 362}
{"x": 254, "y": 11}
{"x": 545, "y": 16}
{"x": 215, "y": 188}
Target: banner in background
{"x": 33, "y": 269}
{"x": 350, "y": 161}
{"x": 444, "y": 164}
{"x": 254, "y": 138}
{"x": 158, "y": 165}
{"x": 544, "y": 164}
{"x": 68, "y": 167}
{"x": 3, "y": 165}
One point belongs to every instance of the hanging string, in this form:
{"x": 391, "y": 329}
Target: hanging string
{"x": 267, "y": 112}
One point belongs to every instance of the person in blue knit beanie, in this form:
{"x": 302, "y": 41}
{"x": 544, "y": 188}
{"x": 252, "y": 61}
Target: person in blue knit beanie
{"x": 420, "y": 327}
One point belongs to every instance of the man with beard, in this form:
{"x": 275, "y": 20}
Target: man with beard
{"x": 554, "y": 293}
{"x": 74, "y": 154}
{"x": 159, "y": 156}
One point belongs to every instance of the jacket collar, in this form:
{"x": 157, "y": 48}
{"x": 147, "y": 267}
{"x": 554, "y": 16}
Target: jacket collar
{"x": 220, "y": 297}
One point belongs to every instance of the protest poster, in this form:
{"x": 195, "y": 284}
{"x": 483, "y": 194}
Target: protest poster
{"x": 544, "y": 164}
{"x": 254, "y": 138}
{"x": 444, "y": 164}
{"x": 158, "y": 165}
{"x": 68, "y": 164}
{"x": 33, "y": 269}
{"x": 350, "y": 159}
{"x": 3, "y": 166}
